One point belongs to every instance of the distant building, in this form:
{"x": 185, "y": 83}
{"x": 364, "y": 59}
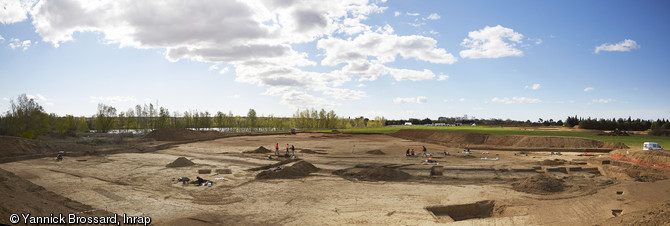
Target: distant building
{"x": 408, "y": 123}
{"x": 440, "y": 124}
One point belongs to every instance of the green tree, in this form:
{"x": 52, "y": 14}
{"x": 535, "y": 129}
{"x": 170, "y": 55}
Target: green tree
{"x": 105, "y": 119}
{"x": 251, "y": 119}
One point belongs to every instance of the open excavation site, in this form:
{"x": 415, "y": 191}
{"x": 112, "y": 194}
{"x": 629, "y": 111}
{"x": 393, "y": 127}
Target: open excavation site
{"x": 337, "y": 179}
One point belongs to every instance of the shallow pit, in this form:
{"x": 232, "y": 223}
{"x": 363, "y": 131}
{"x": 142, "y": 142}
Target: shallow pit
{"x": 616, "y": 212}
{"x": 477, "y": 210}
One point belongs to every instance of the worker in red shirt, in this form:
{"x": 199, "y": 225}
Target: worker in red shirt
{"x": 277, "y": 149}
{"x": 287, "y": 149}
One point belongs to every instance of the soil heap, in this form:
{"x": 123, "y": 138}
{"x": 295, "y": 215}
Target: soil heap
{"x": 375, "y": 152}
{"x": 22, "y": 196}
{"x": 297, "y": 170}
{"x": 180, "y": 162}
{"x": 261, "y": 150}
{"x": 540, "y": 184}
{"x": 378, "y": 173}
{"x": 182, "y": 135}
{"x": 17, "y": 148}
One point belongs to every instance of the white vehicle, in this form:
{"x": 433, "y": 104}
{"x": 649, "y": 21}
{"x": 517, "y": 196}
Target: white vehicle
{"x": 651, "y": 146}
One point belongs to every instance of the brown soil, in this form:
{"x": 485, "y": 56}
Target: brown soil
{"x": 17, "y": 148}
{"x": 375, "y": 152}
{"x": 297, "y": 170}
{"x": 657, "y": 215}
{"x": 378, "y": 173}
{"x": 310, "y": 151}
{"x": 654, "y": 159}
{"x": 180, "y": 162}
{"x": 550, "y": 162}
{"x": 487, "y": 141}
{"x": 539, "y": 184}
{"x": 23, "y": 196}
{"x": 261, "y": 150}
{"x": 182, "y": 135}
{"x": 274, "y": 165}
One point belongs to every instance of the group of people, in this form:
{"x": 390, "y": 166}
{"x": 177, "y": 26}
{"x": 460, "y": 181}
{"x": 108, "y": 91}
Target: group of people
{"x": 292, "y": 148}
{"x": 410, "y": 152}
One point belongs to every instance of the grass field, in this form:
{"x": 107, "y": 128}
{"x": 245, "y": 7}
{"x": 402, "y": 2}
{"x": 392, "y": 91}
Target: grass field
{"x": 632, "y": 140}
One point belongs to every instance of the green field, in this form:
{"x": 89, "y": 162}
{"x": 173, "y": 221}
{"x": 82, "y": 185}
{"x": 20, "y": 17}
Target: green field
{"x": 632, "y": 140}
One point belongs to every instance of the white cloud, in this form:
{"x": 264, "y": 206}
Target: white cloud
{"x": 538, "y": 41}
{"x": 417, "y": 100}
{"x": 516, "y": 100}
{"x": 492, "y": 42}
{"x": 412, "y": 14}
{"x": 5, "y": 99}
{"x": 461, "y": 100}
{"x": 396, "y": 13}
{"x": 533, "y": 87}
{"x": 36, "y": 97}
{"x": 113, "y": 99}
{"x": 16, "y": 43}
{"x": 343, "y": 94}
{"x": 214, "y": 67}
{"x": 236, "y": 96}
{"x": 361, "y": 85}
{"x": 433, "y": 32}
{"x": 13, "y": 11}
{"x": 623, "y": 46}
{"x": 224, "y": 70}
{"x": 602, "y": 101}
{"x": 442, "y": 77}
{"x": 2, "y": 39}
{"x": 588, "y": 89}
{"x": 302, "y": 100}
{"x": 433, "y": 16}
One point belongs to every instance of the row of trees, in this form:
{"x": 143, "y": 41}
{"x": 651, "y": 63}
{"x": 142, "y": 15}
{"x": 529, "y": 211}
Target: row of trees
{"x": 27, "y": 118}
{"x": 620, "y": 124}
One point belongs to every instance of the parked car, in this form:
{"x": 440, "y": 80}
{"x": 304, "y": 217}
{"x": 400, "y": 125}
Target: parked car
{"x": 651, "y": 146}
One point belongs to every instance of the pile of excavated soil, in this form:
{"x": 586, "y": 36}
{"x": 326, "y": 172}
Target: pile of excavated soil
{"x": 539, "y": 184}
{"x": 261, "y": 150}
{"x": 378, "y": 173}
{"x": 551, "y": 162}
{"x": 297, "y": 170}
{"x": 180, "y": 162}
{"x": 478, "y": 140}
{"x": 274, "y": 165}
{"x": 17, "y": 148}
{"x": 375, "y": 152}
{"x": 309, "y": 151}
{"x": 22, "y": 196}
{"x": 182, "y": 135}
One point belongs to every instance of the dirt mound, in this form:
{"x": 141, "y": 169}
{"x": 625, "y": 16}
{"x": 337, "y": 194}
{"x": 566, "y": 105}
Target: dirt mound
{"x": 182, "y": 135}
{"x": 373, "y": 174}
{"x": 274, "y": 165}
{"x": 551, "y": 162}
{"x": 21, "y": 196}
{"x": 17, "y": 148}
{"x": 539, "y": 184}
{"x": 297, "y": 170}
{"x": 375, "y": 152}
{"x": 261, "y": 150}
{"x": 477, "y": 140}
{"x": 180, "y": 162}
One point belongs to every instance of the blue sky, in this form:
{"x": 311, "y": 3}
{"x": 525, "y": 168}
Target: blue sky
{"x": 398, "y": 59}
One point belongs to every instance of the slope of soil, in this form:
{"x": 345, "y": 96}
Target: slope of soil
{"x": 478, "y": 140}
{"x": 297, "y": 170}
{"x": 539, "y": 184}
{"x": 375, "y": 152}
{"x": 21, "y": 196}
{"x": 551, "y": 162}
{"x": 654, "y": 159}
{"x": 180, "y": 162}
{"x": 17, "y": 148}
{"x": 182, "y": 135}
{"x": 261, "y": 150}
{"x": 657, "y": 215}
{"x": 378, "y": 173}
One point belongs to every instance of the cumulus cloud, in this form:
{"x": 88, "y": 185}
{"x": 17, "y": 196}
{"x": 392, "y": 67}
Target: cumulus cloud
{"x": 112, "y": 99}
{"x": 588, "y": 89}
{"x": 13, "y": 11}
{"x": 40, "y": 99}
{"x": 516, "y": 100}
{"x": 2, "y": 39}
{"x": 442, "y": 77}
{"x": 433, "y": 16}
{"x": 301, "y": 100}
{"x": 16, "y": 43}
{"x": 412, "y": 14}
{"x": 396, "y": 13}
{"x": 623, "y": 46}
{"x": 361, "y": 85}
{"x": 533, "y": 87}
{"x": 492, "y": 42}
{"x": 224, "y": 70}
{"x": 602, "y": 101}
{"x": 5, "y": 99}
{"x": 417, "y": 100}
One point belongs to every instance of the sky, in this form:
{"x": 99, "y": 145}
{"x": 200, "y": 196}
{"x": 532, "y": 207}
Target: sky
{"x": 520, "y": 60}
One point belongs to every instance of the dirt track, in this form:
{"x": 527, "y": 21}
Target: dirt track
{"x": 140, "y": 183}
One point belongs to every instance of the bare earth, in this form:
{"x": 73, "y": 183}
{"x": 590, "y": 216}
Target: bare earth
{"x": 141, "y": 184}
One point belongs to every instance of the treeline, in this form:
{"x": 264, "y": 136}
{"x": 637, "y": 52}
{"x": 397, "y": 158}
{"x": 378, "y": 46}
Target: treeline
{"x": 617, "y": 124}
{"x": 468, "y": 121}
{"x": 27, "y": 118}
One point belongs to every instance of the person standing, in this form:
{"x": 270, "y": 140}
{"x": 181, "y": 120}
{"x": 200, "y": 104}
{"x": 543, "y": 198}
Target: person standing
{"x": 293, "y": 149}
{"x": 412, "y": 151}
{"x": 424, "y": 150}
{"x": 287, "y": 149}
{"x": 277, "y": 149}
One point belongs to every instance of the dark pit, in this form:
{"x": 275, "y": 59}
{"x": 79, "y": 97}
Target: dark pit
{"x": 450, "y": 213}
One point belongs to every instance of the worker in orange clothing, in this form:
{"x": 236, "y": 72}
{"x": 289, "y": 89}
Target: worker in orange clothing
{"x": 287, "y": 149}
{"x": 277, "y": 149}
